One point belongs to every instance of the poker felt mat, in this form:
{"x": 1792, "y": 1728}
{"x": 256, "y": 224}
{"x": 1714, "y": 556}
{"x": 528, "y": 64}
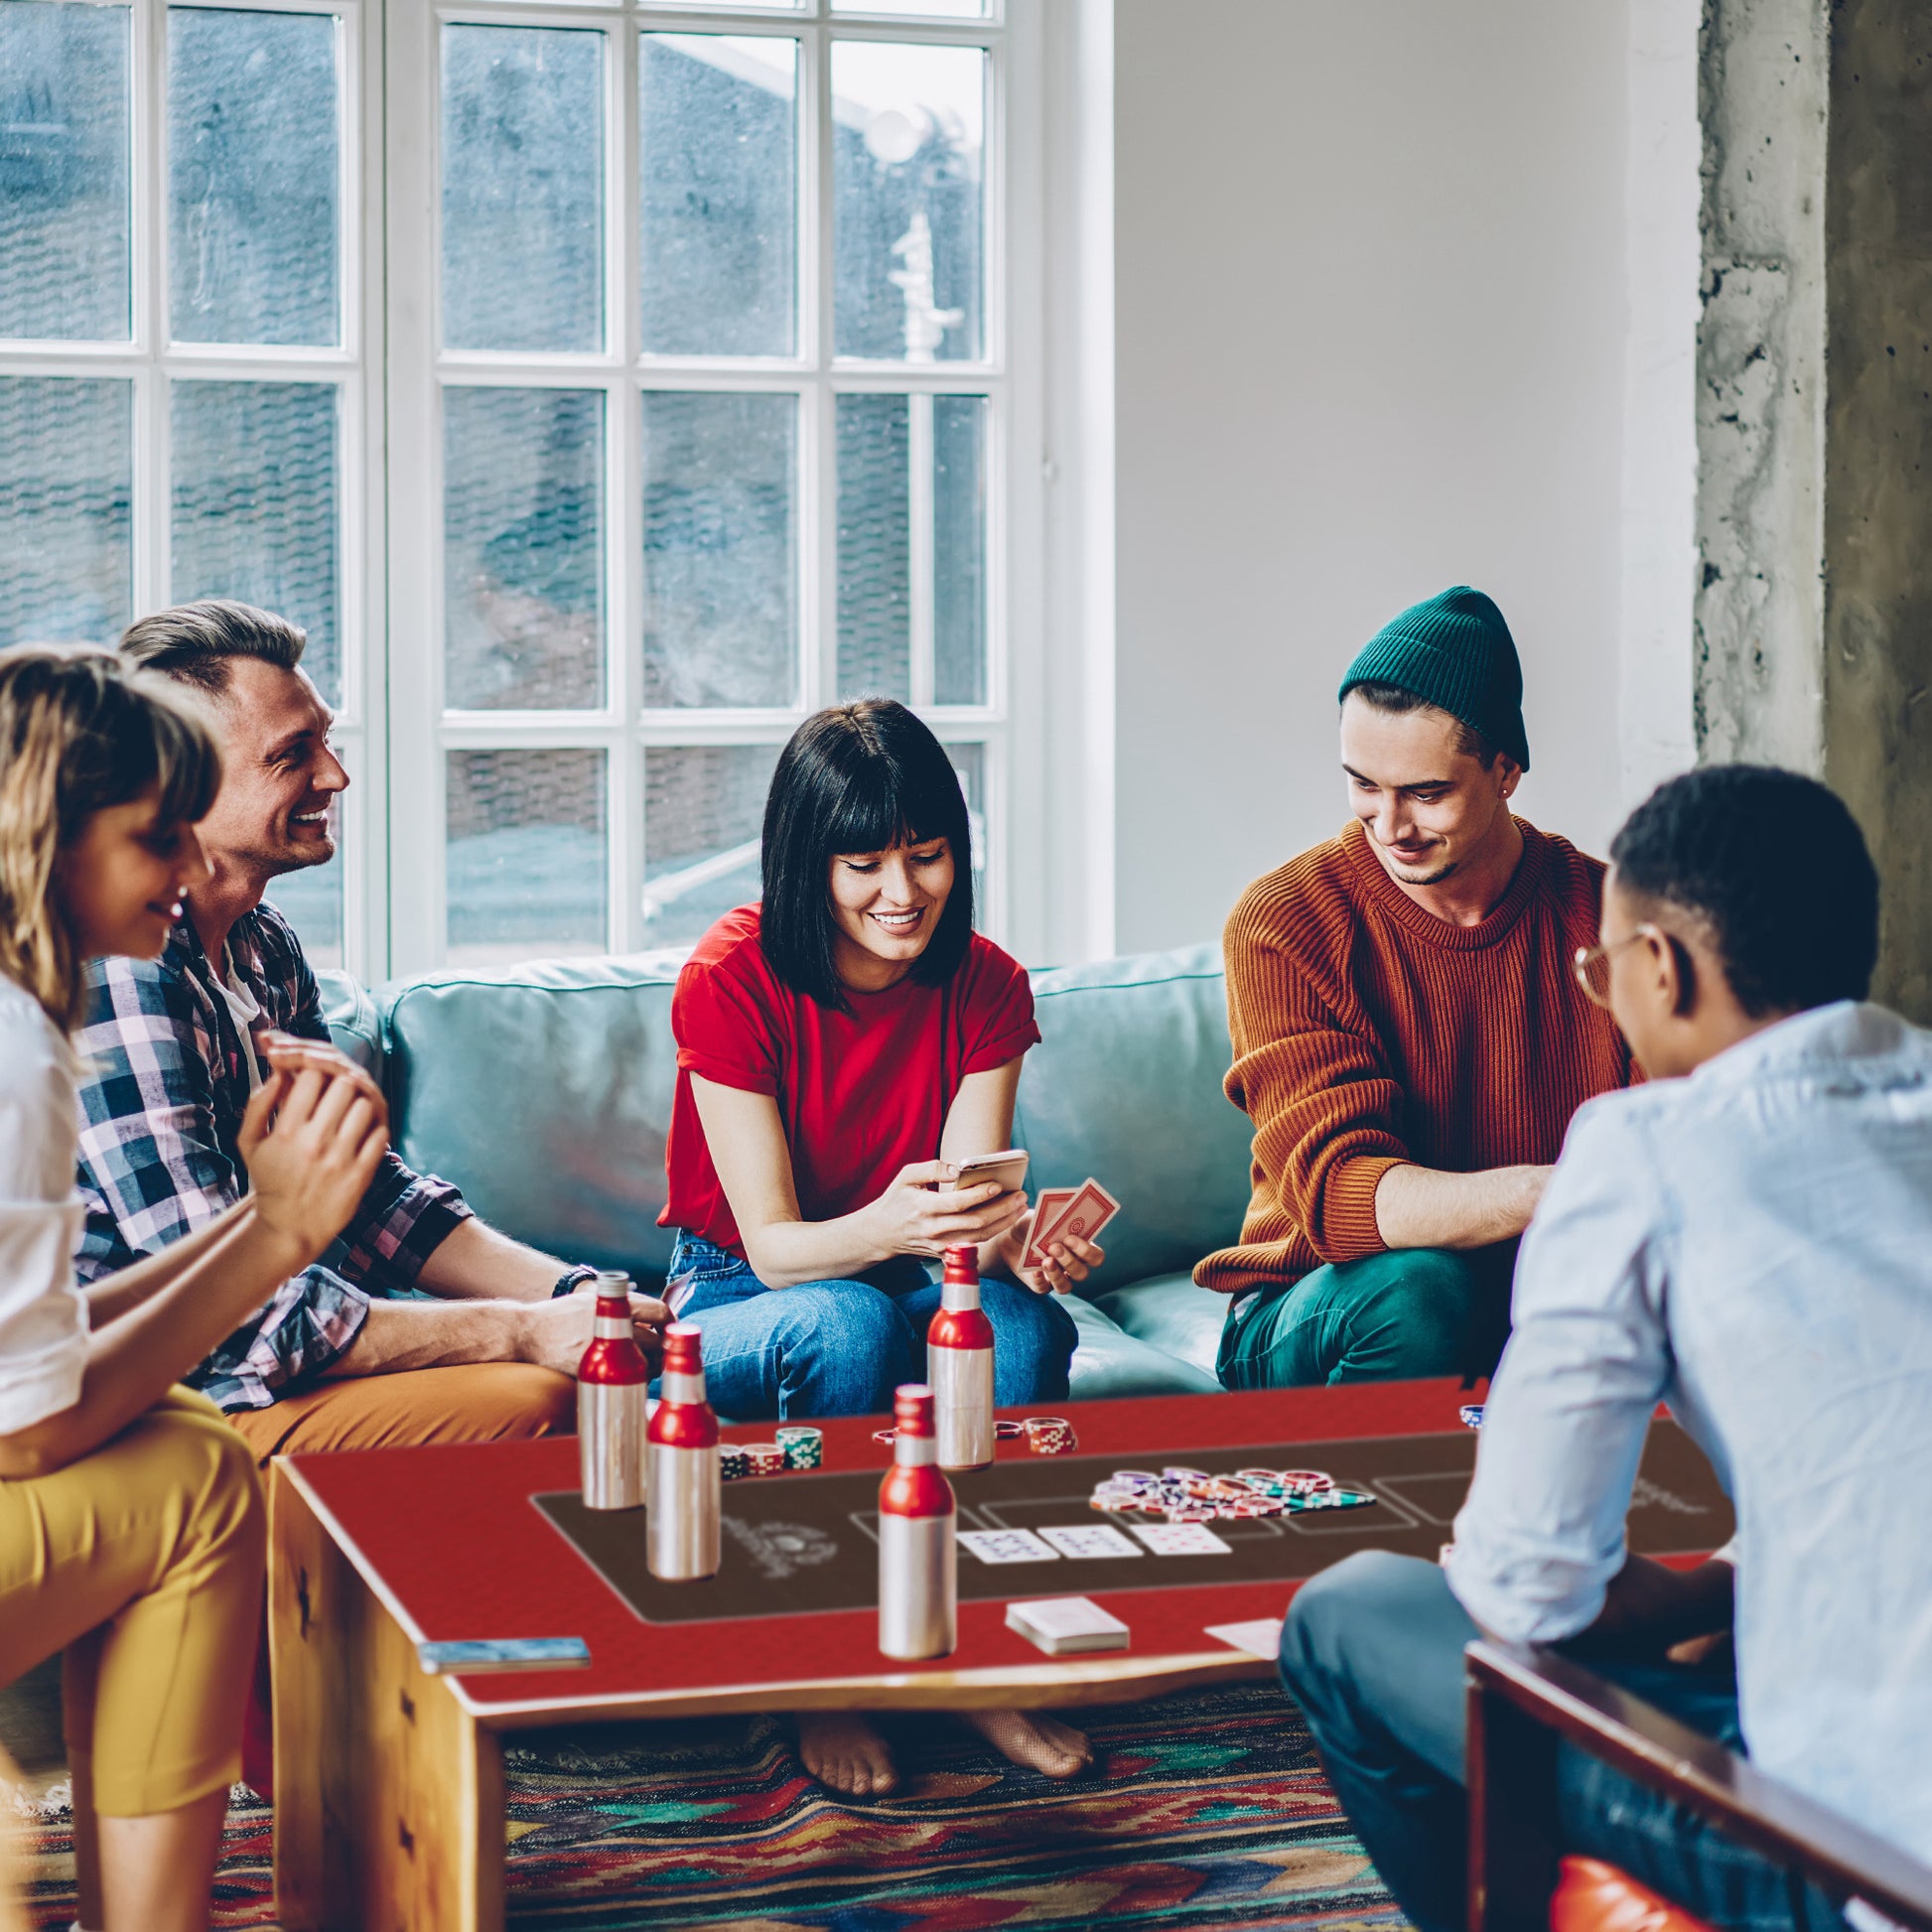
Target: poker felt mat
{"x": 807, "y": 1541}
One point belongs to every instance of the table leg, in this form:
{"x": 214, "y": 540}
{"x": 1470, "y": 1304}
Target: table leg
{"x": 390, "y": 1796}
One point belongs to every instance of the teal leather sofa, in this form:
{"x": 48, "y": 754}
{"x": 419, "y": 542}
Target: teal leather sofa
{"x": 544, "y": 1092}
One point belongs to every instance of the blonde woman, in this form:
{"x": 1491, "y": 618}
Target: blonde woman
{"x": 132, "y": 1532}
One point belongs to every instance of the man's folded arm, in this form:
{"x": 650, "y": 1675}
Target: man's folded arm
{"x": 1323, "y": 1105}
{"x": 1540, "y": 1541}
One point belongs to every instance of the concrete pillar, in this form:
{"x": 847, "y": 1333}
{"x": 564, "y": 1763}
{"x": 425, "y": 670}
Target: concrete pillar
{"x": 1814, "y": 604}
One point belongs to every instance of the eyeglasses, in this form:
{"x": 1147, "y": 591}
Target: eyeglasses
{"x": 1591, "y": 964}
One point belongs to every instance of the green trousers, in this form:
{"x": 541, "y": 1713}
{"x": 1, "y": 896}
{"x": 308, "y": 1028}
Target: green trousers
{"x": 1406, "y": 1314}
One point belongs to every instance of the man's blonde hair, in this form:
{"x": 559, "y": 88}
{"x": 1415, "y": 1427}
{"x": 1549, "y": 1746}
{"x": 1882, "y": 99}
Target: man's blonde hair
{"x": 80, "y": 732}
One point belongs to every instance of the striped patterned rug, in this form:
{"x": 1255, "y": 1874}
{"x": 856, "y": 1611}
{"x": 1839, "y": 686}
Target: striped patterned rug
{"x": 1206, "y": 1811}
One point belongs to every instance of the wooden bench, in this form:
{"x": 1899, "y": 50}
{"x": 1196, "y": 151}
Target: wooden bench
{"x": 1524, "y": 1703}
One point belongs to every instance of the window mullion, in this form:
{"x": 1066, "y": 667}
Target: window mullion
{"x": 625, "y": 799}
{"x": 821, "y": 268}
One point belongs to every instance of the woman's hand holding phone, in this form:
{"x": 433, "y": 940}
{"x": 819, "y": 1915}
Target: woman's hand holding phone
{"x": 913, "y": 1219}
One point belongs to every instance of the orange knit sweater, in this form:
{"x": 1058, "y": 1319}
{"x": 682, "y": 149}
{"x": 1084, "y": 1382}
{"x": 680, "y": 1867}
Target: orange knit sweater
{"x": 1367, "y": 1033}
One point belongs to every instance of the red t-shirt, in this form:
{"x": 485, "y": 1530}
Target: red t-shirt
{"x": 860, "y": 1095}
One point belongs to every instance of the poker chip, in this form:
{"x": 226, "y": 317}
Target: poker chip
{"x": 1051, "y": 1435}
{"x": 802, "y": 1446}
{"x": 887, "y": 1436}
{"x": 1471, "y": 1414}
{"x": 733, "y": 1462}
{"x": 1186, "y": 1495}
{"x": 765, "y": 1459}
{"x": 1008, "y": 1432}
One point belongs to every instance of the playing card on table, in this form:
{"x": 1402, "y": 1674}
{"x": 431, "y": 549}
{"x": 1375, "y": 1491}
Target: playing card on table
{"x": 1052, "y": 1204}
{"x": 1007, "y": 1545}
{"x": 1090, "y": 1540}
{"x": 1181, "y": 1539}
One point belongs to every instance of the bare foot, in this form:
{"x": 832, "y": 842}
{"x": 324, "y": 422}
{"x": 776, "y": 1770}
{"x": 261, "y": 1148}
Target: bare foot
{"x": 1031, "y": 1738}
{"x": 844, "y": 1751}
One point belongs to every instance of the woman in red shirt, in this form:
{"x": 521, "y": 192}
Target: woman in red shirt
{"x": 841, "y": 1045}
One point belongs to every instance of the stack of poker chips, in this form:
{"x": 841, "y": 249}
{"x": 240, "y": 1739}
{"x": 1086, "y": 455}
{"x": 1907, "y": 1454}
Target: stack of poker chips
{"x": 764, "y": 1459}
{"x": 1051, "y": 1435}
{"x": 802, "y": 1446}
{"x": 1471, "y": 1412}
{"x": 1185, "y": 1495}
{"x": 733, "y": 1462}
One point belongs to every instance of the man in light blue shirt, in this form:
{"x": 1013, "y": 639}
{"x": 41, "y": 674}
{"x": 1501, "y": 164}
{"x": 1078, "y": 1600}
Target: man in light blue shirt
{"x": 1748, "y": 1238}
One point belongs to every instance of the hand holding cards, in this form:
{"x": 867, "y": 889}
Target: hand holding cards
{"x": 1063, "y": 1211}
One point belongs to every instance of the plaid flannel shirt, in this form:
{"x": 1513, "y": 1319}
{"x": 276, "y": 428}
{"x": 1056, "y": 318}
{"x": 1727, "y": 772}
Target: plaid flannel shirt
{"x": 162, "y": 1095}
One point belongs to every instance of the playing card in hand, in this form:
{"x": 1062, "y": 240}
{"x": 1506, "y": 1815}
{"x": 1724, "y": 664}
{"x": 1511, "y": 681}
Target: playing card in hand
{"x": 1089, "y": 1210}
{"x": 1052, "y": 1204}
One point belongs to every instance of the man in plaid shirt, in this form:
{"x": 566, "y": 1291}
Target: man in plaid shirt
{"x": 341, "y": 1356}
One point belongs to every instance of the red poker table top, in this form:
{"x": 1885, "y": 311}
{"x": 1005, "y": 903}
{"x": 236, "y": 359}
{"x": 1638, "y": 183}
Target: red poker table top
{"x": 451, "y": 1539}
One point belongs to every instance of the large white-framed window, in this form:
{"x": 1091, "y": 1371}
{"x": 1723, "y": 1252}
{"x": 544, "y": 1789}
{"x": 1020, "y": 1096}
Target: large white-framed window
{"x": 186, "y": 305}
{"x": 702, "y": 415}
{"x": 605, "y": 384}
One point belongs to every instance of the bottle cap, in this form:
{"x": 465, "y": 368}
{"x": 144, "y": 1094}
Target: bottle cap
{"x": 612, "y": 1281}
{"x": 962, "y": 1265}
{"x": 683, "y": 1348}
{"x": 912, "y": 1409}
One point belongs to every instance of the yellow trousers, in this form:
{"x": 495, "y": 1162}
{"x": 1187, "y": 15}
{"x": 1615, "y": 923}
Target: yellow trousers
{"x": 143, "y": 1562}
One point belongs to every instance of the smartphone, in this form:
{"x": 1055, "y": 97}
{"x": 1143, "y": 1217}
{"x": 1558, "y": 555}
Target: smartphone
{"x": 1008, "y": 1168}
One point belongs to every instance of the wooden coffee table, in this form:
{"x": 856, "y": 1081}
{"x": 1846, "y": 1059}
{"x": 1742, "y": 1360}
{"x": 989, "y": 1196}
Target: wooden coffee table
{"x": 389, "y": 1782}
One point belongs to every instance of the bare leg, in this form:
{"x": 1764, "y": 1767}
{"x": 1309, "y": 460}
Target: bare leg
{"x": 156, "y": 1872}
{"x": 844, "y": 1751}
{"x": 1032, "y": 1739}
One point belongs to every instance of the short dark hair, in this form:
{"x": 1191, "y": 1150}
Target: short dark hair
{"x": 858, "y": 778}
{"x": 1729, "y": 844}
{"x": 197, "y": 642}
{"x": 1397, "y": 702}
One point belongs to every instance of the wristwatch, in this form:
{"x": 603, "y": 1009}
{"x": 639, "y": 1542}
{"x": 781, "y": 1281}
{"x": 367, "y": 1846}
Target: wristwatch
{"x": 571, "y": 1279}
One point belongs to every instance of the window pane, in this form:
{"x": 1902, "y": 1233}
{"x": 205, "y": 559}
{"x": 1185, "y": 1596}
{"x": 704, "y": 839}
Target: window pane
{"x": 926, "y": 9}
{"x": 969, "y": 761}
{"x": 67, "y": 480}
{"x": 522, "y": 187}
{"x": 720, "y": 582}
{"x": 704, "y": 808}
{"x": 908, "y": 160}
{"x": 64, "y": 171}
{"x": 959, "y": 549}
{"x": 718, "y": 152}
{"x": 875, "y": 591}
{"x": 253, "y": 153}
{"x": 255, "y": 505}
{"x": 523, "y": 548}
{"x": 526, "y": 861}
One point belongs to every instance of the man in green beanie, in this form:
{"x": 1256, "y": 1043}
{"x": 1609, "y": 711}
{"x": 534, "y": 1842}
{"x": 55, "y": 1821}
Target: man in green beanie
{"x": 1410, "y": 1039}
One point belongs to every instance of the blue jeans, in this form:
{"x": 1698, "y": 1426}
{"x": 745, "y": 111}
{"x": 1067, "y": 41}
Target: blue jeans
{"x": 841, "y": 1347}
{"x": 1372, "y": 1651}
{"x": 1403, "y": 1314}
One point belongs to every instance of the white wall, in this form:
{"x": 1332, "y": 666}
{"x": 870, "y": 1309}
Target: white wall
{"x": 1371, "y": 326}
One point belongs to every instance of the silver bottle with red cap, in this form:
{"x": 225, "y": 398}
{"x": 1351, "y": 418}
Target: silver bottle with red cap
{"x": 959, "y": 1366}
{"x": 686, "y": 1490}
{"x": 918, "y": 1551}
{"x": 613, "y": 1385}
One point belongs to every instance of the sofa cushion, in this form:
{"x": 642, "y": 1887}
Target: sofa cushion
{"x": 1126, "y": 1086}
{"x": 544, "y": 1092}
{"x": 353, "y": 1022}
{"x": 1110, "y": 1362}
{"x": 1172, "y": 1314}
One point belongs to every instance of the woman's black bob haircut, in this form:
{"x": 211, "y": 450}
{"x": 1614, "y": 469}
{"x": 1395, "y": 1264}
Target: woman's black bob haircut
{"x": 858, "y": 777}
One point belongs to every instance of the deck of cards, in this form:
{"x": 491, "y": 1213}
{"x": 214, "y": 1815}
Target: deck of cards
{"x": 1063, "y": 1626}
{"x": 1059, "y": 1211}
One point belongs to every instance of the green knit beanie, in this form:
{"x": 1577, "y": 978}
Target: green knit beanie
{"x": 1455, "y": 650}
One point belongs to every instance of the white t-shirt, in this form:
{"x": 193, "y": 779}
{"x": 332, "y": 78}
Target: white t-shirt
{"x": 42, "y": 1316}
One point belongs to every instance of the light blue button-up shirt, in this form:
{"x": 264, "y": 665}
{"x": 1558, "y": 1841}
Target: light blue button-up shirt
{"x": 1753, "y": 1245}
